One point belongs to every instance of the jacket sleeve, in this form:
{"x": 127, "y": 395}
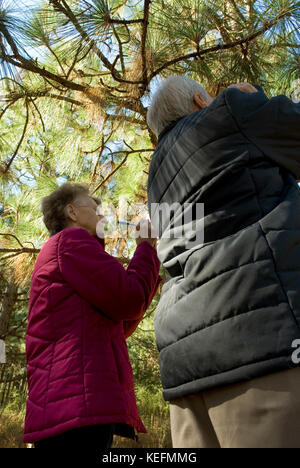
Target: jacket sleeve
{"x": 131, "y": 325}
{"x": 102, "y": 281}
{"x": 273, "y": 125}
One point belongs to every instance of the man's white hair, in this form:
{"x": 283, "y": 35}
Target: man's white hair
{"x": 173, "y": 99}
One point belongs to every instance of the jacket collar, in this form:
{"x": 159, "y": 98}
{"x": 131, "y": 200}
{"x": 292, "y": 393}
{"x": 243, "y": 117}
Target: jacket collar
{"x": 168, "y": 128}
{"x": 95, "y": 236}
{"x": 175, "y": 122}
{"x": 100, "y": 240}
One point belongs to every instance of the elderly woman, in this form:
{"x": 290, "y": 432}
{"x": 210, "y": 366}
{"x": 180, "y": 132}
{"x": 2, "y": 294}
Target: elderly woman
{"x": 83, "y": 305}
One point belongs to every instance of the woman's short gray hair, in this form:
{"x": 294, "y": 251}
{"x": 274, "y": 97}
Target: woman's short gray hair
{"x": 173, "y": 99}
{"x": 53, "y": 205}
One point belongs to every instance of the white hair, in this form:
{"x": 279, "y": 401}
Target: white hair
{"x": 173, "y": 99}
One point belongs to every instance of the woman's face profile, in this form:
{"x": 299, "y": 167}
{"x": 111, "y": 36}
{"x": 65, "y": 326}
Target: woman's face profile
{"x": 86, "y": 213}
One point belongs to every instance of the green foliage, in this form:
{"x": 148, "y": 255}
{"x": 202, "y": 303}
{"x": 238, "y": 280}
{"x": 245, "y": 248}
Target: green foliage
{"x": 75, "y": 85}
{"x": 12, "y": 427}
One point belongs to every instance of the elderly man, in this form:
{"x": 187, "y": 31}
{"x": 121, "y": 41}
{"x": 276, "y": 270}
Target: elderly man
{"x": 228, "y": 322}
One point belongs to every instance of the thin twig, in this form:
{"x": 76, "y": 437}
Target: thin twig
{"x": 74, "y": 61}
{"x": 12, "y": 235}
{"x": 21, "y": 139}
{"x": 59, "y": 62}
{"x": 111, "y": 174}
{"x": 8, "y": 106}
{"x": 121, "y": 164}
{"x": 120, "y": 50}
{"x": 40, "y": 115}
{"x": 124, "y": 22}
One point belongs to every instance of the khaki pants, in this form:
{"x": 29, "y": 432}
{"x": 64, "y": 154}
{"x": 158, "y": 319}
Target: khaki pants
{"x": 260, "y": 413}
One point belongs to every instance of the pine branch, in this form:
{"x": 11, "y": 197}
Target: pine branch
{"x": 56, "y": 57}
{"x": 31, "y": 66}
{"x": 12, "y": 235}
{"x": 122, "y": 260}
{"x": 121, "y": 164}
{"x": 120, "y": 50}
{"x": 38, "y": 94}
{"x": 12, "y": 331}
{"x": 9, "y": 40}
{"x": 20, "y": 251}
{"x": 127, "y": 119}
{"x": 237, "y": 10}
{"x": 124, "y": 22}
{"x": 111, "y": 174}
{"x": 8, "y": 106}
{"x": 64, "y": 98}
{"x": 21, "y": 139}
{"x": 286, "y": 44}
{"x": 268, "y": 25}
{"x": 100, "y": 153}
{"x": 143, "y": 43}
{"x": 20, "y": 61}
{"x": 66, "y": 10}
{"x": 74, "y": 61}
{"x": 55, "y": 86}
{"x": 39, "y": 114}
{"x": 103, "y": 143}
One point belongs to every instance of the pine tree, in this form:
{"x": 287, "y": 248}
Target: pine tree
{"x": 76, "y": 77}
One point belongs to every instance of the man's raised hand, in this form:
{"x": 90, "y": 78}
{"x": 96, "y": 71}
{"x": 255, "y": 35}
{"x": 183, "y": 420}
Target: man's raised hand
{"x": 244, "y": 86}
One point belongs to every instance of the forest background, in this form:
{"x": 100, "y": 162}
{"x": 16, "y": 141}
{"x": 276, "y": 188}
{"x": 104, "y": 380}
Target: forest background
{"x": 76, "y": 79}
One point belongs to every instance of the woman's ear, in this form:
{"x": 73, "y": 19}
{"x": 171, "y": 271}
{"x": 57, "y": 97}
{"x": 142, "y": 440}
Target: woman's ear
{"x": 70, "y": 213}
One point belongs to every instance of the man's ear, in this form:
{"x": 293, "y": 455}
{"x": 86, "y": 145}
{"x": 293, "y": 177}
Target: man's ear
{"x": 199, "y": 102}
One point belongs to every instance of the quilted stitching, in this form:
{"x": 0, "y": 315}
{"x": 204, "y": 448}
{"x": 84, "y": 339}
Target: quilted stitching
{"x": 93, "y": 384}
{"x": 226, "y": 345}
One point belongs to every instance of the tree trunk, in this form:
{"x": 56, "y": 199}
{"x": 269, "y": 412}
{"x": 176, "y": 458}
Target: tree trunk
{"x": 8, "y": 301}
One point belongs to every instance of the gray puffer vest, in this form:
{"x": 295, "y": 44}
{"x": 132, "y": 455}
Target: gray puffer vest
{"x": 230, "y": 308}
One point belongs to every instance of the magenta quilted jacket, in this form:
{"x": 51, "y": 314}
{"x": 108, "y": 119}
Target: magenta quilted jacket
{"x": 83, "y": 304}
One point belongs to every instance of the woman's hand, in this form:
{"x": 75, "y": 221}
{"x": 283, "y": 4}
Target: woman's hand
{"x": 246, "y": 87}
{"x": 145, "y": 232}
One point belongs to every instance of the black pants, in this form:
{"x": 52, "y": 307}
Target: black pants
{"x": 90, "y": 438}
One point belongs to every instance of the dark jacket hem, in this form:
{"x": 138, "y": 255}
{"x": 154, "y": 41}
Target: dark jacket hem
{"x": 240, "y": 374}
